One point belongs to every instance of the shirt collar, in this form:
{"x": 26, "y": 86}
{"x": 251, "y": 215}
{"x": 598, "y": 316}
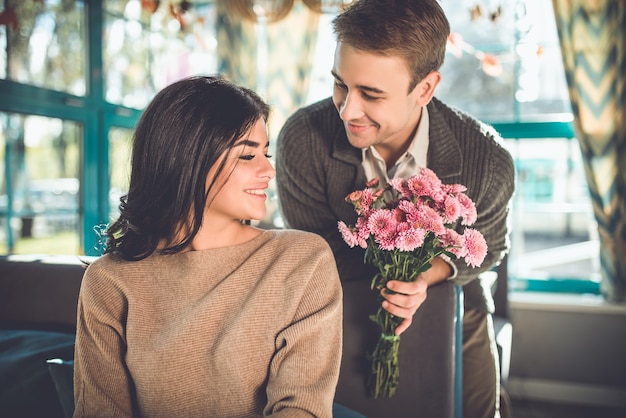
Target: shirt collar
{"x": 414, "y": 158}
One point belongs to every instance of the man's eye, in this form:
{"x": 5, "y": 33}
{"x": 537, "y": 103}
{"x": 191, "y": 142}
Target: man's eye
{"x": 340, "y": 85}
{"x": 369, "y": 98}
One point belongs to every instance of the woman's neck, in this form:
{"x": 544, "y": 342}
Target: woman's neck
{"x": 224, "y": 236}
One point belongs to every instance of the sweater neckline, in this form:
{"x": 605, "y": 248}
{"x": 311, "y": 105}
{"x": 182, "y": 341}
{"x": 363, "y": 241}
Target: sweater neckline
{"x": 252, "y": 243}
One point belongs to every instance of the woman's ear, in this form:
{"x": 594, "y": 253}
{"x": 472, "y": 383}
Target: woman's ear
{"x": 425, "y": 89}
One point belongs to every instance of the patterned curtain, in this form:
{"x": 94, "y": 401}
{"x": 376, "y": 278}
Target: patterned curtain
{"x": 592, "y": 35}
{"x": 236, "y": 46}
{"x": 287, "y": 48}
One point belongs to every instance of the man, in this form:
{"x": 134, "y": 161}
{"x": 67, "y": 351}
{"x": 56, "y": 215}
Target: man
{"x": 384, "y": 121}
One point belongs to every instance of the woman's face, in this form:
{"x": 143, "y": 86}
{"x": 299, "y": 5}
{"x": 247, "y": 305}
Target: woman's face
{"x": 240, "y": 191}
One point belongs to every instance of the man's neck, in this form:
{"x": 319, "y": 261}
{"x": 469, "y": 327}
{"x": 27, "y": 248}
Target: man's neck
{"x": 391, "y": 152}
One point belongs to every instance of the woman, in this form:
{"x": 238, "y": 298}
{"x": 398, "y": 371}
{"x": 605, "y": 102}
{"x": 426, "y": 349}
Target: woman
{"x": 192, "y": 311}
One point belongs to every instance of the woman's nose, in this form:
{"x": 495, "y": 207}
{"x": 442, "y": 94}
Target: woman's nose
{"x": 268, "y": 170}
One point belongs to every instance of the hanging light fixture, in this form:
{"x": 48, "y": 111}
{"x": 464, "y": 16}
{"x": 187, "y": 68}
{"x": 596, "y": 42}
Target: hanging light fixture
{"x": 328, "y": 6}
{"x": 260, "y": 10}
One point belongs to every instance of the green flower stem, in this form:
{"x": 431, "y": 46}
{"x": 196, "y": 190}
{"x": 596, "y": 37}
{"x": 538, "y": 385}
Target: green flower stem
{"x": 385, "y": 372}
{"x": 405, "y": 267}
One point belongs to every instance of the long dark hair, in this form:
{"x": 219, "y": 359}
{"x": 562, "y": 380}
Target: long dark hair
{"x": 179, "y": 137}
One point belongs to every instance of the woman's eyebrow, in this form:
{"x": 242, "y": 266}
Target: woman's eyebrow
{"x": 251, "y": 143}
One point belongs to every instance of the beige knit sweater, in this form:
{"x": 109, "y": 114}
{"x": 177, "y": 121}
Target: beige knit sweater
{"x": 242, "y": 331}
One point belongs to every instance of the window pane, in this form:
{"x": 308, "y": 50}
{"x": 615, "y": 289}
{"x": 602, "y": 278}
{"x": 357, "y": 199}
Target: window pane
{"x": 147, "y": 48}
{"x": 554, "y": 234}
{"x": 44, "y": 43}
{"x": 39, "y": 186}
{"x": 120, "y": 145}
{"x": 504, "y": 64}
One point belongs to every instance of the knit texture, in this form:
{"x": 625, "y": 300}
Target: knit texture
{"x": 317, "y": 168}
{"x": 242, "y": 331}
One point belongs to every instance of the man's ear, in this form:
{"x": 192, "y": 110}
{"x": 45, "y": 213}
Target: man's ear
{"x": 425, "y": 89}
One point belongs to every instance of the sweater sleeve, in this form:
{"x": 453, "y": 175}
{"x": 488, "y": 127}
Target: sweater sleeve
{"x": 304, "y": 371}
{"x": 308, "y": 200}
{"x": 300, "y": 181}
{"x": 102, "y": 385}
{"x": 492, "y": 206}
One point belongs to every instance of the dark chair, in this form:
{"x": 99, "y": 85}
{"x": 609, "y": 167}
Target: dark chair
{"x": 426, "y": 386}
{"x": 502, "y": 320}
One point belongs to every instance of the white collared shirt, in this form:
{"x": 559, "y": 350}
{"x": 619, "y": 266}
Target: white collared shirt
{"x": 408, "y": 164}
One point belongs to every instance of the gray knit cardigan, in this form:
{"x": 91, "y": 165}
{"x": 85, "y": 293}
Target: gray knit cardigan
{"x": 317, "y": 167}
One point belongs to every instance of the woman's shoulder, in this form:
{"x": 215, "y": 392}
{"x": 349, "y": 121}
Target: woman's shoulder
{"x": 298, "y": 244}
{"x": 298, "y": 236}
{"x": 104, "y": 262}
{"x": 113, "y": 268}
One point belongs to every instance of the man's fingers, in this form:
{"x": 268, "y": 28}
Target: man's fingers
{"x": 402, "y": 299}
{"x": 408, "y": 288}
{"x": 404, "y": 325}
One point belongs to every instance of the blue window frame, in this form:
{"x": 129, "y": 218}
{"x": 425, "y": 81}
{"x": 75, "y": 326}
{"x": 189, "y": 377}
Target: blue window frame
{"x": 96, "y": 65}
{"x": 503, "y": 66}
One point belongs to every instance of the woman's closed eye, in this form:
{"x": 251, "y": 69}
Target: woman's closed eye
{"x": 248, "y": 157}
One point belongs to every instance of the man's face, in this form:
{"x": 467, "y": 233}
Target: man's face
{"x": 372, "y": 98}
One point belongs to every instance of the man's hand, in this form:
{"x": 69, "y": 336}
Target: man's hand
{"x": 404, "y": 299}
{"x": 409, "y": 296}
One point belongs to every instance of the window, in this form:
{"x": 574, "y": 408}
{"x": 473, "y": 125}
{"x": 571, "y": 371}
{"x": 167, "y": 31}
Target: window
{"x": 65, "y": 131}
{"x": 511, "y": 50}
{"x": 44, "y": 45}
{"x": 147, "y": 47}
{"x": 39, "y": 204}
{"x": 120, "y": 146}
{"x": 517, "y": 83}
{"x": 503, "y": 65}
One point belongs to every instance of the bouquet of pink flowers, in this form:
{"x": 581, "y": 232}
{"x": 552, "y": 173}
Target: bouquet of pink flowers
{"x": 403, "y": 227}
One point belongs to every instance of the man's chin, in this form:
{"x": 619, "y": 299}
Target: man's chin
{"x": 358, "y": 141}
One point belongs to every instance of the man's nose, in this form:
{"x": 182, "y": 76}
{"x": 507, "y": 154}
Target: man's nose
{"x": 351, "y": 107}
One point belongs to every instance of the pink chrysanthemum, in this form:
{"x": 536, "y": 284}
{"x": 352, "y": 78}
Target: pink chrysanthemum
{"x": 437, "y": 195}
{"x": 403, "y": 225}
{"x": 382, "y": 224}
{"x": 430, "y": 190}
{"x": 348, "y": 234}
{"x": 427, "y": 218}
{"x": 452, "y": 209}
{"x": 417, "y": 185}
{"x": 469, "y": 210}
{"x": 373, "y": 183}
{"x": 356, "y": 198}
{"x": 453, "y": 188}
{"x": 475, "y": 247}
{"x": 362, "y": 230}
{"x": 369, "y": 197}
{"x": 452, "y": 241}
{"x": 410, "y": 238}
{"x": 407, "y": 207}
{"x": 430, "y": 175}
{"x": 400, "y": 185}
{"x": 386, "y": 244}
